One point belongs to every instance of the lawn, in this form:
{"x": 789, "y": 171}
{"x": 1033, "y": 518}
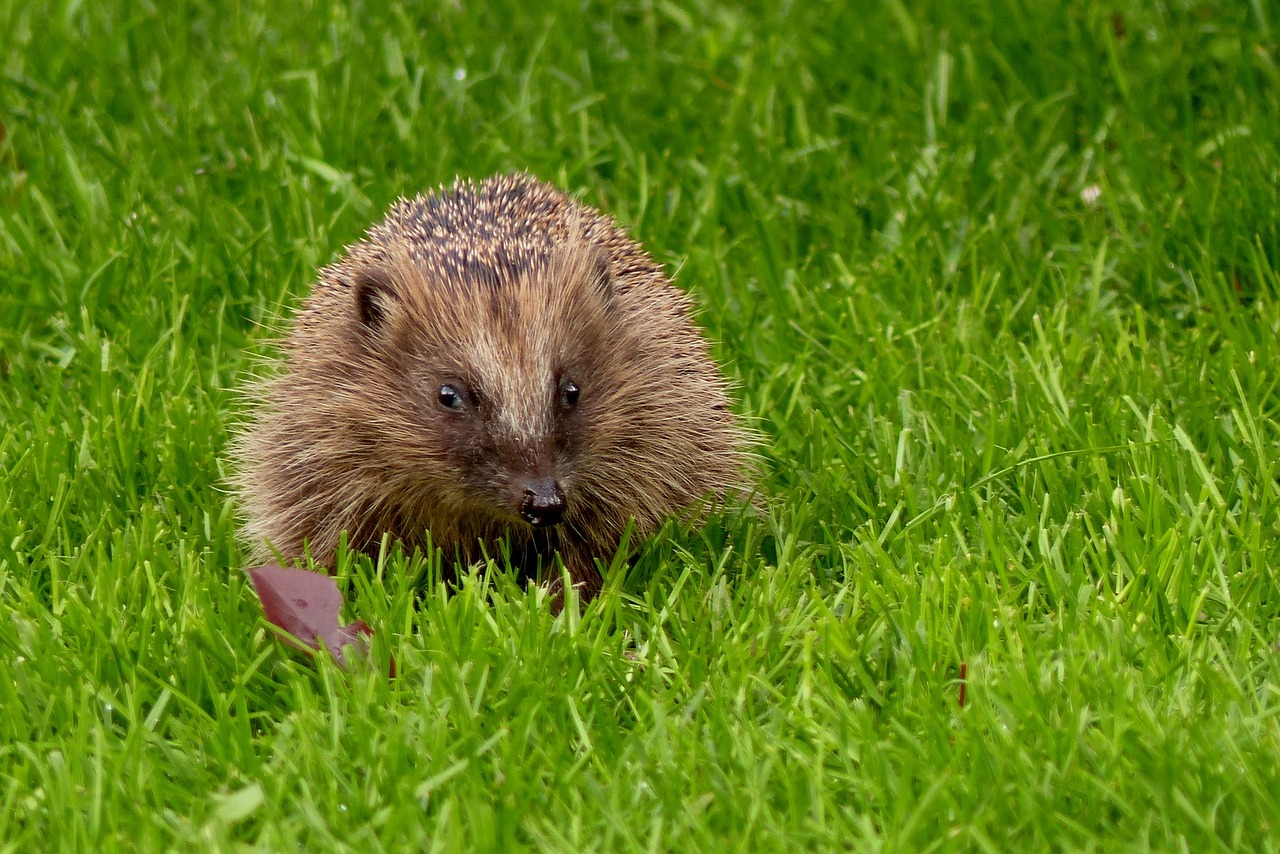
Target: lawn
{"x": 996, "y": 282}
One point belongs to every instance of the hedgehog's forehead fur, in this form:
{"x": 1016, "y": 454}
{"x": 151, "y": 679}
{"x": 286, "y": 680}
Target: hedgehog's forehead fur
{"x": 508, "y": 335}
{"x": 507, "y": 286}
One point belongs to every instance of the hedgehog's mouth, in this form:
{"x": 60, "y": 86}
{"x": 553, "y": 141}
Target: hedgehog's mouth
{"x": 533, "y": 556}
{"x": 543, "y": 503}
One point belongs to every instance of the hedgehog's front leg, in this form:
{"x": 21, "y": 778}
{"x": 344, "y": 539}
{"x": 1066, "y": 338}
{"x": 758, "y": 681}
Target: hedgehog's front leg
{"x": 583, "y": 575}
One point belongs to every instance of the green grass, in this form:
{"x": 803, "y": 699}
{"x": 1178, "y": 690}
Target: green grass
{"x": 998, "y": 283}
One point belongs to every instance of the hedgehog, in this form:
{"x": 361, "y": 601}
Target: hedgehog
{"x": 495, "y": 368}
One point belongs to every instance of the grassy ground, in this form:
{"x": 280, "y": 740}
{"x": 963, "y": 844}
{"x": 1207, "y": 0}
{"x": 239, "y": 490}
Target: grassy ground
{"x": 998, "y": 282}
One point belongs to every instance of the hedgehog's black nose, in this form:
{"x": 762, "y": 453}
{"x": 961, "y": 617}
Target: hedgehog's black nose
{"x": 543, "y": 503}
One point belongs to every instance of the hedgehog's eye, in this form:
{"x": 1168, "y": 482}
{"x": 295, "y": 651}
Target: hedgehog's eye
{"x": 569, "y": 393}
{"x": 450, "y": 397}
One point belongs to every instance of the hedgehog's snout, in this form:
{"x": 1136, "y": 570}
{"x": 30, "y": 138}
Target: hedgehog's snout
{"x": 544, "y": 502}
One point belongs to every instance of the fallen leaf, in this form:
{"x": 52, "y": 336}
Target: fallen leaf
{"x": 305, "y": 605}
{"x": 1119, "y": 28}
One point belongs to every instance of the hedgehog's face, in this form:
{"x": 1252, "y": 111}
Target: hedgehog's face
{"x": 497, "y": 381}
{"x": 513, "y": 448}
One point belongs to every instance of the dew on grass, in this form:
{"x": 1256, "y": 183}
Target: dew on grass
{"x": 460, "y": 74}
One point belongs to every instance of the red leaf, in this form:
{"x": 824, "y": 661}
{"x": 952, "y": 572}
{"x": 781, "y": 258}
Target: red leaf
{"x": 1119, "y": 28}
{"x": 305, "y": 604}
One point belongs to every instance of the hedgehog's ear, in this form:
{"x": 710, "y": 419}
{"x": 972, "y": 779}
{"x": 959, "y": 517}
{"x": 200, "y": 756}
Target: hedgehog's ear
{"x": 599, "y": 274}
{"x": 588, "y": 265}
{"x": 374, "y": 294}
{"x": 582, "y": 268}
